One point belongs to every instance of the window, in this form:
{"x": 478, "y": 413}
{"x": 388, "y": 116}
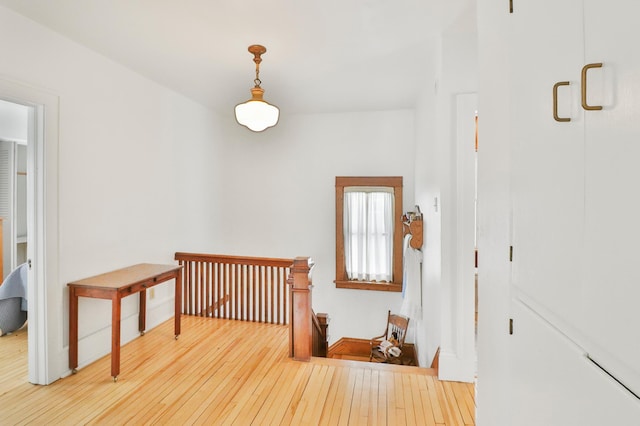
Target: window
{"x": 369, "y": 233}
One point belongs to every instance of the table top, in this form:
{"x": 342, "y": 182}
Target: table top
{"x": 126, "y": 276}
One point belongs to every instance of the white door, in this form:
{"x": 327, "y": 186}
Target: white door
{"x": 612, "y": 224}
{"x": 546, "y": 46}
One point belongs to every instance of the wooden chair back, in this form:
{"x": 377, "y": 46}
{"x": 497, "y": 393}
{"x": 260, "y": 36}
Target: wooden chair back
{"x": 397, "y": 326}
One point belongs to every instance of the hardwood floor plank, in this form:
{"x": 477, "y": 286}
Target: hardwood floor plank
{"x": 434, "y": 399}
{"x": 365, "y": 398}
{"x": 374, "y": 392}
{"x": 188, "y": 376}
{"x": 227, "y": 372}
{"x": 410, "y": 408}
{"x": 335, "y": 397}
{"x": 254, "y": 389}
{"x": 464, "y": 402}
{"x": 315, "y": 390}
{"x": 294, "y": 395}
{"x": 278, "y": 403}
{"x": 392, "y": 417}
{"x": 354, "y": 413}
{"x": 317, "y": 409}
{"x": 348, "y": 396}
{"x": 383, "y": 395}
{"x": 401, "y": 415}
{"x": 447, "y": 402}
{"x": 276, "y": 378}
{"x": 427, "y": 405}
{"x": 418, "y": 405}
{"x": 228, "y": 382}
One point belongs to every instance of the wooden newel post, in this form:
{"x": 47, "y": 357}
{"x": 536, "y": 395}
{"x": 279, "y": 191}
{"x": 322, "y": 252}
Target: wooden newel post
{"x": 300, "y": 332}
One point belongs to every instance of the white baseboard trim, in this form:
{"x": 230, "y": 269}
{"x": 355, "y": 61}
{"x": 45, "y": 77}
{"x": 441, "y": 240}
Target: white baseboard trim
{"x": 454, "y": 369}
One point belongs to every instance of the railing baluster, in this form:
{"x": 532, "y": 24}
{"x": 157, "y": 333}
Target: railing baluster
{"x": 271, "y": 285}
{"x": 236, "y": 292}
{"x": 231, "y": 290}
{"x": 215, "y": 303}
{"x": 277, "y": 297}
{"x": 242, "y": 292}
{"x": 261, "y": 293}
{"x": 207, "y": 296}
{"x": 189, "y": 289}
{"x": 235, "y": 287}
{"x": 223, "y": 293}
{"x": 203, "y": 291}
{"x": 198, "y": 302}
{"x": 254, "y": 295}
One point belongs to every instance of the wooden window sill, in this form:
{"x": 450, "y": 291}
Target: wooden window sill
{"x": 369, "y": 285}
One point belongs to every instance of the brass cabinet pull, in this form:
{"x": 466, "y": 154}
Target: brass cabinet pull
{"x": 584, "y": 87}
{"x": 555, "y": 102}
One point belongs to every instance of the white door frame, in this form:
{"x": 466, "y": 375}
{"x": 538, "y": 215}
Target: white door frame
{"x": 458, "y": 355}
{"x": 45, "y": 352}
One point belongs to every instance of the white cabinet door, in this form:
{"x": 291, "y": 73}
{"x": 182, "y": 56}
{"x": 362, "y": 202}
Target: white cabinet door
{"x": 547, "y": 155}
{"x": 554, "y": 383}
{"x": 611, "y": 269}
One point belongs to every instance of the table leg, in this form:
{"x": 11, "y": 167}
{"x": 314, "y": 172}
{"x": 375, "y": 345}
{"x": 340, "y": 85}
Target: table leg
{"x": 115, "y": 336}
{"x": 142, "y": 312}
{"x": 73, "y": 330}
{"x": 178, "y": 302}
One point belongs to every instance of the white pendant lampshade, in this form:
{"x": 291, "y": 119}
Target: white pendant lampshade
{"x": 256, "y": 114}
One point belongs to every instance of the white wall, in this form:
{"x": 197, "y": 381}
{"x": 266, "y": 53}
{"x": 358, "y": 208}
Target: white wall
{"x": 280, "y": 198}
{"x": 427, "y": 194}
{"x": 443, "y": 325}
{"x": 458, "y": 75}
{"x": 128, "y": 151}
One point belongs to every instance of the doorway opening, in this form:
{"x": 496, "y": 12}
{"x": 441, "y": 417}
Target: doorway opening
{"x": 14, "y": 131}
{"x": 16, "y": 196}
{"x": 45, "y": 302}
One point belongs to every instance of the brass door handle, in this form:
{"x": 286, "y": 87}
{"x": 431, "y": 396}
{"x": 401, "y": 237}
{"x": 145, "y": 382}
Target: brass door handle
{"x": 583, "y": 83}
{"x": 555, "y": 102}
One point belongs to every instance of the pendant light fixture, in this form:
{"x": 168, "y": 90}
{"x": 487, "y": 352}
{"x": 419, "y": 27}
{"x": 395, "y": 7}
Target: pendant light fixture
{"x": 257, "y": 114}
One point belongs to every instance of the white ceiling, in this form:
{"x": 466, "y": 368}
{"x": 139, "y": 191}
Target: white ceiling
{"x": 330, "y": 55}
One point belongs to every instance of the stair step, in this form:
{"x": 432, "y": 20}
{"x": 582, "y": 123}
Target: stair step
{"x": 375, "y": 366}
{"x": 359, "y": 349}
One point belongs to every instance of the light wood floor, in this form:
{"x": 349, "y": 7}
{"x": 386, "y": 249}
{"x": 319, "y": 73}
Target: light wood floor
{"x": 228, "y": 372}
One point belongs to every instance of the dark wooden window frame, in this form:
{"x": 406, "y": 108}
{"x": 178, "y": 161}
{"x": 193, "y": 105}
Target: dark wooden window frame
{"x": 342, "y": 281}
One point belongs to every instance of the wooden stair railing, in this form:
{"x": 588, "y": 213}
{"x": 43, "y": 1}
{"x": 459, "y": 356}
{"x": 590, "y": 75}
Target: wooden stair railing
{"x": 319, "y": 338}
{"x": 235, "y": 287}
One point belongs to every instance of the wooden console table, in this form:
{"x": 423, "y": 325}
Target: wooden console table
{"x": 114, "y": 286}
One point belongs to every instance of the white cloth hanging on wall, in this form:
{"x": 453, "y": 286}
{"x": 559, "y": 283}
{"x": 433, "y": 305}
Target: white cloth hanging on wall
{"x": 411, "y": 282}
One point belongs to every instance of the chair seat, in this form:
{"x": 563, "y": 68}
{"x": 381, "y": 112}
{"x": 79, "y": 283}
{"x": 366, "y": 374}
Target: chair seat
{"x": 378, "y": 355}
{"x": 11, "y": 316}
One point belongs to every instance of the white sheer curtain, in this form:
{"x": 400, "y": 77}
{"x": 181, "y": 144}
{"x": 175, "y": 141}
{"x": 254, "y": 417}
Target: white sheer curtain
{"x": 368, "y": 235}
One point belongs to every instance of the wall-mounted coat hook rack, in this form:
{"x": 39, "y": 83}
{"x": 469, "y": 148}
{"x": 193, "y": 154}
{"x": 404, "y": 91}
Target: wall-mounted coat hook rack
{"x": 412, "y": 224}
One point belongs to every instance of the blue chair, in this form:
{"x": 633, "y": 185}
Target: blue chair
{"x": 13, "y": 300}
